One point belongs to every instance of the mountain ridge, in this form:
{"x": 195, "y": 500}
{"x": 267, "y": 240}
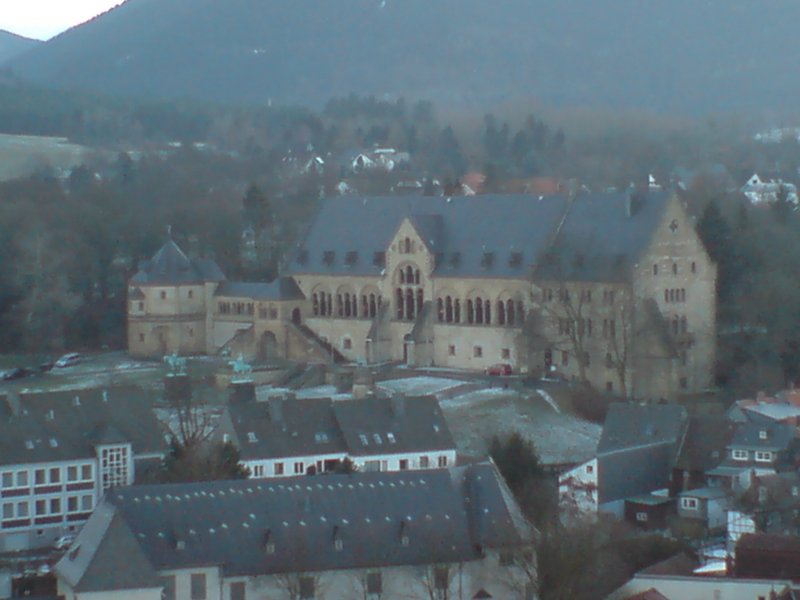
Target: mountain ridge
{"x": 678, "y": 56}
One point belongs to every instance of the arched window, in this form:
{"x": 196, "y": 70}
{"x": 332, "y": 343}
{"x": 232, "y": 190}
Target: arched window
{"x": 674, "y": 325}
{"x": 520, "y": 312}
{"x": 684, "y": 325}
{"x": 409, "y": 275}
{"x": 407, "y": 246}
{"x": 330, "y": 304}
{"x": 315, "y": 304}
{"x": 470, "y": 314}
{"x": 683, "y": 295}
{"x": 501, "y": 312}
{"x": 402, "y": 276}
{"x": 400, "y": 302}
{"x": 416, "y": 277}
{"x": 420, "y": 299}
{"x": 457, "y": 310}
{"x": 364, "y": 306}
{"x": 510, "y": 316}
{"x": 487, "y": 312}
{"x": 440, "y": 310}
{"x": 372, "y": 308}
{"x": 339, "y": 305}
{"x": 410, "y": 314}
{"x": 347, "y": 305}
{"x": 448, "y": 309}
{"x": 479, "y": 311}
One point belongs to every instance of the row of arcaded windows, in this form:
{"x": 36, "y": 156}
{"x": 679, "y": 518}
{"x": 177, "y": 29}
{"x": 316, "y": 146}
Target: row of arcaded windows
{"x": 692, "y": 268}
{"x": 479, "y": 311}
{"x": 236, "y": 308}
{"x": 675, "y": 295}
{"x": 408, "y": 303}
{"x": 408, "y": 275}
{"x": 345, "y": 305}
{"x": 585, "y": 296}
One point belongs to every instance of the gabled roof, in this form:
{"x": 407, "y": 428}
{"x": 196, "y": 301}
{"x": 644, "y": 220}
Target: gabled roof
{"x": 431, "y": 229}
{"x": 470, "y": 227}
{"x": 603, "y": 236}
{"x": 106, "y": 556}
{"x": 638, "y": 448}
{"x": 252, "y": 527}
{"x": 317, "y": 426}
{"x": 706, "y": 440}
{"x": 415, "y": 425}
{"x": 171, "y": 266}
{"x": 630, "y": 425}
{"x": 282, "y": 288}
{"x": 70, "y": 424}
{"x": 762, "y": 433}
{"x": 278, "y": 428}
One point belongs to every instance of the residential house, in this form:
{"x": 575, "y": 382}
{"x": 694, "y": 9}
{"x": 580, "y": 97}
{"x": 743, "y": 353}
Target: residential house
{"x": 681, "y": 578}
{"x": 452, "y": 533}
{"x": 703, "y": 509}
{"x": 286, "y": 437}
{"x": 635, "y": 456}
{"x": 770, "y": 505}
{"x": 759, "y": 190}
{"x": 703, "y": 450}
{"x": 61, "y": 451}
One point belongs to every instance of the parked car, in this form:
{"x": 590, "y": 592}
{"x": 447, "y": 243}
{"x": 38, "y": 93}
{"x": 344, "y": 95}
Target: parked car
{"x": 17, "y": 373}
{"x": 501, "y": 369}
{"x": 68, "y": 360}
{"x": 64, "y": 542}
{"x": 46, "y": 366}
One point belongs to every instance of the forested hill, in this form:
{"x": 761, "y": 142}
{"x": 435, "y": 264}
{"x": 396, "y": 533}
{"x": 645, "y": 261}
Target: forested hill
{"x": 12, "y": 45}
{"x": 688, "y": 56}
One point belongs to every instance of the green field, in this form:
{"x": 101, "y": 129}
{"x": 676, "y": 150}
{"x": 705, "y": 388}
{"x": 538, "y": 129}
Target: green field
{"x": 22, "y": 155}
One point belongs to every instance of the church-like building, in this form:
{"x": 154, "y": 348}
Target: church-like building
{"x": 615, "y": 289}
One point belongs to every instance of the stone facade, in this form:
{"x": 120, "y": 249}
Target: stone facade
{"x": 611, "y": 289}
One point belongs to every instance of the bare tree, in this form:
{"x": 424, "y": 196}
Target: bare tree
{"x": 567, "y": 314}
{"x": 619, "y": 339}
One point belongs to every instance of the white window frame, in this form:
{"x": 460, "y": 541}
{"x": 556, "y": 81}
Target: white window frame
{"x": 690, "y": 504}
{"x": 740, "y": 455}
{"x": 764, "y": 456}
{"x": 642, "y": 517}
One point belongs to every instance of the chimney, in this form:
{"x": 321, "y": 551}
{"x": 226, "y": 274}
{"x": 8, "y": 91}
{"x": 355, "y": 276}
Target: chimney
{"x": 399, "y": 405}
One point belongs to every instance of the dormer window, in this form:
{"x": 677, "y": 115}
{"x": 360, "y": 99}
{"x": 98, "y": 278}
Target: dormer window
{"x": 391, "y": 438}
{"x": 363, "y": 439}
{"x": 515, "y": 260}
{"x": 328, "y": 257}
{"x": 251, "y": 437}
{"x": 455, "y": 259}
{"x": 351, "y": 258}
{"x": 762, "y": 434}
{"x": 377, "y": 438}
{"x": 488, "y": 260}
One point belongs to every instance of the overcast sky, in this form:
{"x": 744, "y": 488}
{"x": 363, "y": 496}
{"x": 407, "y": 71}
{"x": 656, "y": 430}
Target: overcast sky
{"x": 42, "y": 19}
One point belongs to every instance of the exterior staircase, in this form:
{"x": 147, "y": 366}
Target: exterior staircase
{"x": 310, "y": 338}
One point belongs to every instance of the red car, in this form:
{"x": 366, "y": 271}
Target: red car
{"x": 499, "y": 369}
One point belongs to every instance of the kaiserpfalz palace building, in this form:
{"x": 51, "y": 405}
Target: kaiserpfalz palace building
{"x": 614, "y": 288}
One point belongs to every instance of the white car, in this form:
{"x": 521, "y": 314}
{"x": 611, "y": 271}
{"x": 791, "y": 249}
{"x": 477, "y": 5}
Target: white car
{"x": 68, "y": 360}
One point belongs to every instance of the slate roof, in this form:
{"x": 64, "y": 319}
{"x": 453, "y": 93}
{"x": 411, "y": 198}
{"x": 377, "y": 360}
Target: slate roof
{"x": 598, "y": 241}
{"x": 416, "y": 425}
{"x": 282, "y": 288}
{"x": 53, "y": 426}
{"x": 107, "y": 556}
{"x": 171, "y": 266}
{"x": 259, "y": 527}
{"x": 311, "y": 426}
{"x": 630, "y": 425}
{"x": 280, "y": 428}
{"x": 462, "y": 228}
{"x": 638, "y": 448}
{"x": 779, "y": 436}
{"x": 705, "y": 443}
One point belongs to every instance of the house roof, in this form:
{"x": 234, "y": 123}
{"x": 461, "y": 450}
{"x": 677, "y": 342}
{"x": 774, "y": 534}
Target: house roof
{"x": 469, "y": 227}
{"x": 171, "y": 266}
{"x": 282, "y": 288}
{"x": 629, "y": 425}
{"x": 266, "y": 527}
{"x": 651, "y": 594}
{"x": 762, "y": 433}
{"x": 704, "y": 446}
{"x": 637, "y": 449}
{"x": 69, "y": 424}
{"x": 599, "y": 241}
{"x": 415, "y": 425}
{"x": 300, "y": 427}
{"x": 107, "y": 556}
